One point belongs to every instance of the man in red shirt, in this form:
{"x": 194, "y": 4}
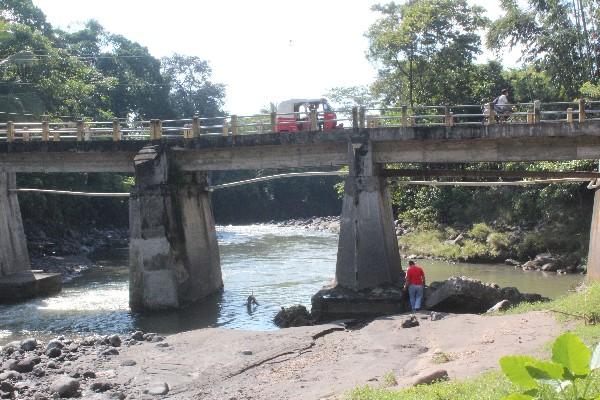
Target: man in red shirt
{"x": 415, "y": 281}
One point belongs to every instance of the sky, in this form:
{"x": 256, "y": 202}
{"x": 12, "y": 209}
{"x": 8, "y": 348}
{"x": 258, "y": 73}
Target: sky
{"x": 263, "y": 51}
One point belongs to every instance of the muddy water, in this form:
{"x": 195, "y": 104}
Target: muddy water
{"x": 280, "y": 266}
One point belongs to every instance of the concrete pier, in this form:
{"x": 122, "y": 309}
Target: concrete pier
{"x": 174, "y": 257}
{"x": 368, "y": 254}
{"x": 14, "y": 257}
{"x": 593, "y": 265}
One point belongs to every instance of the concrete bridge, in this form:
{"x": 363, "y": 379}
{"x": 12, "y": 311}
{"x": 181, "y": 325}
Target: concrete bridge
{"x": 174, "y": 256}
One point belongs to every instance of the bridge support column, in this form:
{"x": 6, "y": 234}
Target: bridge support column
{"x": 14, "y": 257}
{"x": 174, "y": 255}
{"x": 593, "y": 264}
{"x": 368, "y": 253}
{"x": 368, "y": 260}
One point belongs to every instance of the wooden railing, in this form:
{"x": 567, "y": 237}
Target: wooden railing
{"x": 405, "y": 116}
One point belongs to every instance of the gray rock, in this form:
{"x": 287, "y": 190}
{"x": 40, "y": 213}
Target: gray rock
{"x": 138, "y": 335}
{"x": 510, "y": 261}
{"x": 296, "y": 315}
{"x": 110, "y": 352}
{"x": 10, "y": 365}
{"x": 162, "y": 344}
{"x": 38, "y": 371}
{"x": 40, "y": 396}
{"x": 550, "y": 267}
{"x": 427, "y": 378}
{"x": 7, "y": 387}
{"x": 101, "y": 386}
{"x": 114, "y": 340}
{"x": 500, "y": 306}
{"x": 157, "y": 389}
{"x": 29, "y": 344}
{"x": 89, "y": 374}
{"x": 25, "y": 365}
{"x": 410, "y": 322}
{"x": 65, "y": 387}
{"x": 530, "y": 266}
{"x": 73, "y": 347}
{"x": 128, "y": 363}
{"x": 53, "y": 352}
{"x": 247, "y": 352}
{"x": 51, "y": 365}
{"x": 436, "y": 316}
{"x": 157, "y": 338}
{"x": 10, "y": 375}
{"x": 54, "y": 343}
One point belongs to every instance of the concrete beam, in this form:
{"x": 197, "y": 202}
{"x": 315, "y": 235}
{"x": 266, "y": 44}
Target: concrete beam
{"x": 14, "y": 257}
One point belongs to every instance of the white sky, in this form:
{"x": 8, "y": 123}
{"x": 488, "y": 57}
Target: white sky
{"x": 263, "y": 50}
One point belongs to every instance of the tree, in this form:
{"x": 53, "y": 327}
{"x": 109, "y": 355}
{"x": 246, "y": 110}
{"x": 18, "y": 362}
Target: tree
{"x": 559, "y": 36}
{"x": 424, "y": 50}
{"x": 344, "y": 98}
{"x": 192, "y": 92}
{"x": 26, "y": 13}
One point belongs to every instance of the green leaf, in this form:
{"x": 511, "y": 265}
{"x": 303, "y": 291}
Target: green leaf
{"x": 595, "y": 362}
{"x": 557, "y": 385}
{"x": 517, "y": 396}
{"x": 515, "y": 369}
{"x": 545, "y": 370}
{"x": 572, "y": 353}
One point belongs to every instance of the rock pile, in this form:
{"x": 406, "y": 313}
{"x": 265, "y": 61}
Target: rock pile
{"x": 65, "y": 368}
{"x": 547, "y": 262}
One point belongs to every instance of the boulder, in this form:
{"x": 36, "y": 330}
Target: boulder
{"x": 65, "y": 387}
{"x": 427, "y": 378}
{"x": 53, "y": 352}
{"x": 549, "y": 267}
{"x": 25, "y": 365}
{"x": 28, "y": 344}
{"x": 296, "y": 315}
{"x": 157, "y": 389}
{"x": 114, "y": 340}
{"x": 510, "y": 261}
{"x": 530, "y": 266}
{"x": 466, "y": 295}
{"x": 545, "y": 258}
{"x": 54, "y": 343}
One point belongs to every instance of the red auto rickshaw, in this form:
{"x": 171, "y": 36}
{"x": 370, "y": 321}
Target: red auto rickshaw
{"x": 294, "y": 115}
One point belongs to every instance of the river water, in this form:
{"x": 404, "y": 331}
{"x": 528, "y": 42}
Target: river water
{"x": 281, "y": 266}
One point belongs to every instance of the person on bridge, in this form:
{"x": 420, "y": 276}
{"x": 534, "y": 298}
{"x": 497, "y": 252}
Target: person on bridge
{"x": 415, "y": 282}
{"x": 502, "y": 106}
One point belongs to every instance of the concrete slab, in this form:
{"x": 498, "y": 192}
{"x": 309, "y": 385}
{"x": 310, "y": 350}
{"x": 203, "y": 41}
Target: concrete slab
{"x": 25, "y": 285}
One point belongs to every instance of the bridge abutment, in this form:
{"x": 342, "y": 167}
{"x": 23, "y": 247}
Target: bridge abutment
{"x": 593, "y": 265}
{"x": 174, "y": 255}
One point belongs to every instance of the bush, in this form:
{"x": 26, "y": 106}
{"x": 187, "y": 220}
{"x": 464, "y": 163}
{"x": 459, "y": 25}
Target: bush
{"x": 480, "y": 232}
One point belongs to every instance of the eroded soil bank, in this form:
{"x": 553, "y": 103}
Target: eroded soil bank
{"x": 316, "y": 362}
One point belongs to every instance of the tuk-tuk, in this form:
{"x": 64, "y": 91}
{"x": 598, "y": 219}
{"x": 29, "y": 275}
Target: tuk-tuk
{"x": 294, "y": 115}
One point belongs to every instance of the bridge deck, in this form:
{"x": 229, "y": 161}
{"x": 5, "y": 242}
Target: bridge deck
{"x": 458, "y": 143}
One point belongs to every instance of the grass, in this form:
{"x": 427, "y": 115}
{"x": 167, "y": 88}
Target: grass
{"x": 491, "y": 385}
{"x": 580, "y": 310}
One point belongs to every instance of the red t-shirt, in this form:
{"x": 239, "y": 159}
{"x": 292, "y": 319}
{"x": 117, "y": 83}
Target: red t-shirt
{"x": 415, "y": 275}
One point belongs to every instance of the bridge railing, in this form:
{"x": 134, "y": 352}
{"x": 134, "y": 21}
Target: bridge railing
{"x": 231, "y": 125}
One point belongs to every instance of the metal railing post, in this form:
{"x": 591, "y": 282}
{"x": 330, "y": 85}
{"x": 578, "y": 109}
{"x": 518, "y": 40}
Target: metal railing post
{"x": 570, "y": 115}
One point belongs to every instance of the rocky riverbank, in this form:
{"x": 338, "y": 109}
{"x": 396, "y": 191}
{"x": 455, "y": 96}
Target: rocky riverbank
{"x": 68, "y": 252}
{"x": 315, "y": 362}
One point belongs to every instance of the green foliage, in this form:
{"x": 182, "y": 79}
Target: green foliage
{"x": 558, "y": 36}
{"x": 489, "y": 386}
{"x": 570, "y": 374}
{"x": 424, "y": 50}
{"x": 480, "y": 231}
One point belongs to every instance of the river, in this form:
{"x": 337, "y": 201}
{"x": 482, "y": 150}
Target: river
{"x": 281, "y": 266}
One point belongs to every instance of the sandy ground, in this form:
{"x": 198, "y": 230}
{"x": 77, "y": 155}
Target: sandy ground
{"x": 323, "y": 362}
